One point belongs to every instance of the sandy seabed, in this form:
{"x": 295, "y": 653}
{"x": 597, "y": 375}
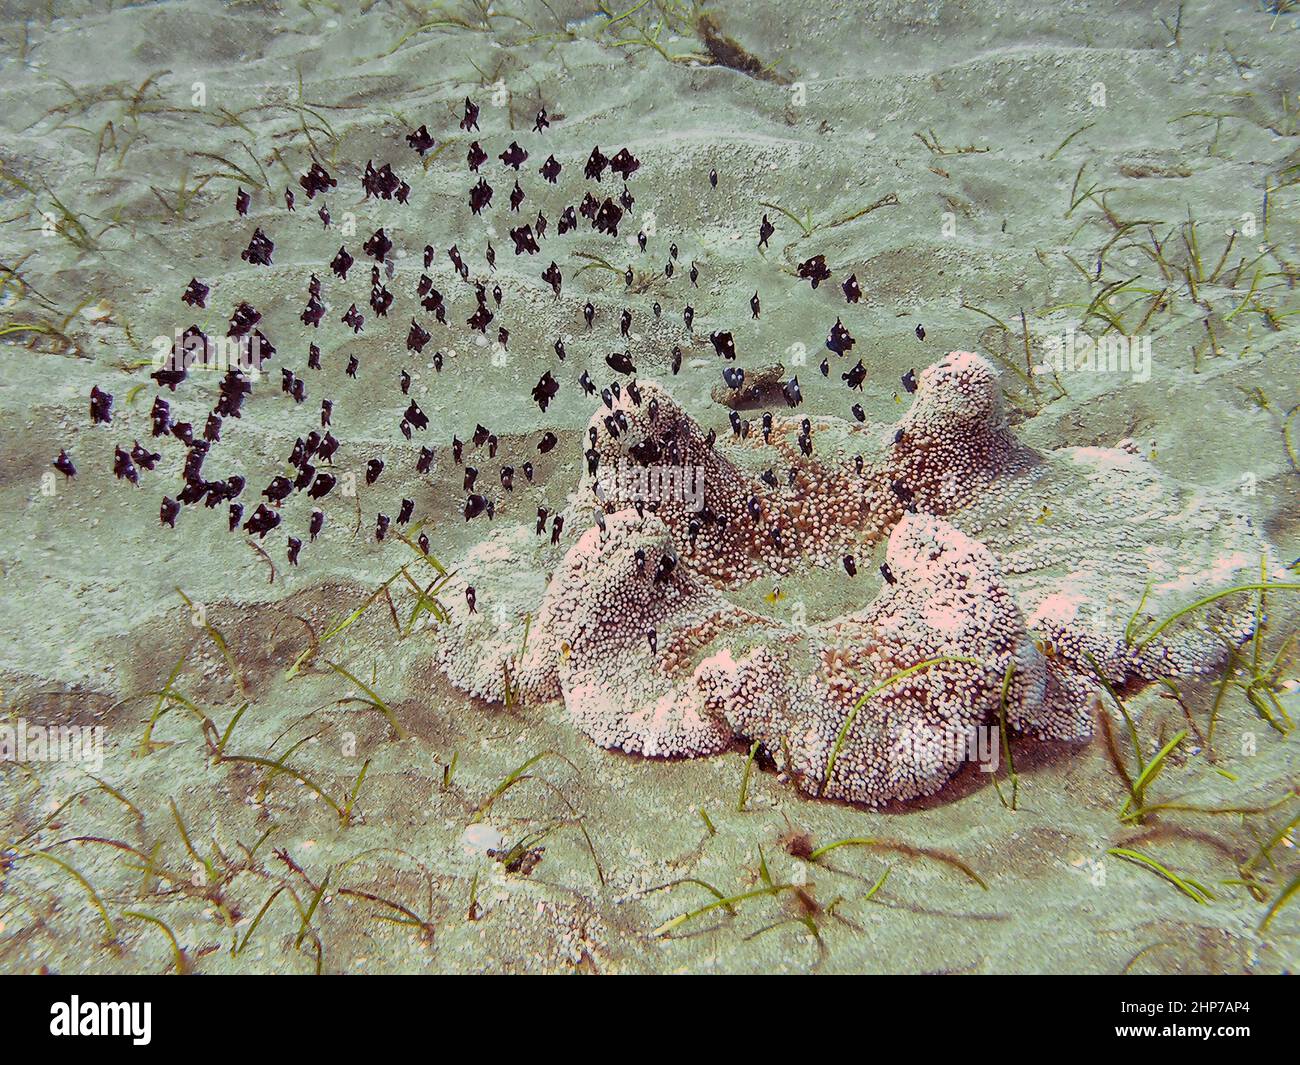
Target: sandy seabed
{"x": 258, "y": 810}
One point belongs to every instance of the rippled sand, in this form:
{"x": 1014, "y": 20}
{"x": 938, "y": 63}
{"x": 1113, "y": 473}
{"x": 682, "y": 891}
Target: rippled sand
{"x": 968, "y": 128}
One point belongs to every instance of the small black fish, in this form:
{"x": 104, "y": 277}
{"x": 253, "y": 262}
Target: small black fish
{"x": 123, "y": 468}
{"x": 317, "y": 179}
{"x": 241, "y": 202}
{"x": 259, "y": 249}
{"x": 792, "y": 393}
{"x": 264, "y": 519}
{"x": 596, "y": 163}
{"x": 856, "y": 376}
{"x": 548, "y": 441}
{"x": 480, "y": 319}
{"x": 713, "y": 178}
{"x": 589, "y": 313}
{"x": 620, "y": 362}
{"x": 765, "y": 230}
{"x": 514, "y": 156}
{"x": 196, "y": 294}
{"x": 755, "y": 306}
{"x": 734, "y": 376}
{"x": 839, "y": 339}
{"x": 814, "y": 270}
{"x": 667, "y": 563}
{"x": 624, "y": 164}
{"x": 470, "y": 121}
{"x": 480, "y": 196}
{"x": 243, "y": 320}
{"x": 342, "y": 263}
{"x": 320, "y": 487}
{"x": 101, "y": 406}
{"x": 909, "y": 381}
{"x": 407, "y": 509}
{"x": 901, "y": 491}
{"x": 920, "y": 331}
{"x": 420, "y": 140}
{"x": 64, "y": 465}
{"x": 161, "y": 415}
{"x": 584, "y": 380}
{"x": 545, "y": 390}
{"x": 550, "y": 169}
{"x": 688, "y": 315}
{"x": 858, "y": 413}
{"x": 147, "y": 459}
{"x": 381, "y": 526}
{"x": 378, "y": 246}
{"x": 607, "y": 218}
{"x": 236, "y": 513}
{"x": 168, "y": 512}
{"x": 278, "y": 490}
{"x": 524, "y": 240}
{"x": 316, "y": 523}
{"x": 724, "y": 344}
{"x": 887, "y": 573}
{"x": 295, "y": 545}
{"x": 470, "y": 598}
{"x": 475, "y": 157}
{"x": 852, "y": 293}
{"x": 677, "y": 359}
